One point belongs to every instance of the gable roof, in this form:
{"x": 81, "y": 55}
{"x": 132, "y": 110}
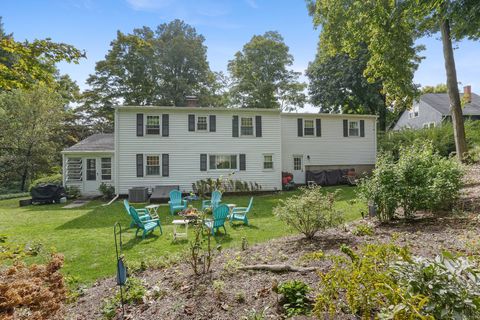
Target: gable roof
{"x": 441, "y": 103}
{"x": 94, "y": 143}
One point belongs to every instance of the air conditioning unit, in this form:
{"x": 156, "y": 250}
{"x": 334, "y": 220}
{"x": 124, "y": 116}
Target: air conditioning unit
{"x": 138, "y": 194}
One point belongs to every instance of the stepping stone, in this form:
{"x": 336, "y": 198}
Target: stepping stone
{"x": 76, "y": 204}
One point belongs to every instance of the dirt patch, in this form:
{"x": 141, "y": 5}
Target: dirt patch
{"x": 228, "y": 293}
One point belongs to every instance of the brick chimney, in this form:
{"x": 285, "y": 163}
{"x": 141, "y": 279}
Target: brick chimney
{"x": 191, "y": 101}
{"x": 467, "y": 94}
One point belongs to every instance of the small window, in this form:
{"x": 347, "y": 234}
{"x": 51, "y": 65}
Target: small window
{"x": 74, "y": 169}
{"x": 308, "y": 128}
{"x": 353, "y": 129}
{"x": 91, "y": 169}
{"x": 267, "y": 161}
{"x": 106, "y": 168}
{"x": 246, "y": 128}
{"x": 153, "y": 165}
{"x": 201, "y": 123}
{"x": 432, "y": 125}
{"x": 153, "y": 125}
{"x": 297, "y": 163}
{"x": 223, "y": 161}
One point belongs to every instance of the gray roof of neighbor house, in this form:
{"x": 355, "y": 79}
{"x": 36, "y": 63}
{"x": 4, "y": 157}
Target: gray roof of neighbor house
{"x": 441, "y": 103}
{"x": 95, "y": 143}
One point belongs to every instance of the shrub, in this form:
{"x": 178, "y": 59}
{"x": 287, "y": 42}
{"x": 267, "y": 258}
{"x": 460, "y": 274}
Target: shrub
{"x": 73, "y": 192}
{"x": 363, "y": 229}
{"x": 13, "y": 195}
{"x": 107, "y": 190}
{"x": 309, "y": 212}
{"x": 134, "y": 293}
{"x": 54, "y": 178}
{"x": 452, "y": 285}
{"x": 294, "y": 297}
{"x": 419, "y": 179}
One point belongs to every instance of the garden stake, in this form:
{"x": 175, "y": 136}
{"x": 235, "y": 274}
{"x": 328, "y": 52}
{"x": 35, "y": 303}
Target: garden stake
{"x": 121, "y": 269}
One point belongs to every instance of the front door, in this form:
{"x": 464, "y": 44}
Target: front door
{"x": 298, "y": 170}
{"x": 92, "y": 182}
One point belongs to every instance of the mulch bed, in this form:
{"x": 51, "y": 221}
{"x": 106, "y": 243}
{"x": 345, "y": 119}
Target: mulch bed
{"x": 227, "y": 293}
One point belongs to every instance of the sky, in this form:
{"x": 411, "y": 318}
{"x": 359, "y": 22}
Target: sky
{"x": 227, "y": 25}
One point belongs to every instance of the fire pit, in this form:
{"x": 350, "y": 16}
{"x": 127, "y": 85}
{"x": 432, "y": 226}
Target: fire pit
{"x": 189, "y": 214}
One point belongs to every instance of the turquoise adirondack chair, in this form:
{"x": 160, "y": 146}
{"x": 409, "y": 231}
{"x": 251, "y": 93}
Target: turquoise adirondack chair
{"x": 145, "y": 225}
{"x": 220, "y": 215}
{"x": 142, "y": 213}
{"x": 176, "y": 203}
{"x": 213, "y": 202}
{"x": 240, "y": 213}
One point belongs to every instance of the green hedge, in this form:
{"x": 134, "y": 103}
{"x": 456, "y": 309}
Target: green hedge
{"x": 13, "y": 195}
{"x": 54, "y": 178}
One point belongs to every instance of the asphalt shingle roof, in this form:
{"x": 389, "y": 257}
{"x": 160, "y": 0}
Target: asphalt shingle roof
{"x": 96, "y": 142}
{"x": 441, "y": 103}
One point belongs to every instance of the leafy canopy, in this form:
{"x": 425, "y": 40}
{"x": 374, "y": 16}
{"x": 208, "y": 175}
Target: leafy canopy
{"x": 260, "y": 75}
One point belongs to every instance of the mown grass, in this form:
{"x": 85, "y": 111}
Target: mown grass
{"x": 85, "y": 235}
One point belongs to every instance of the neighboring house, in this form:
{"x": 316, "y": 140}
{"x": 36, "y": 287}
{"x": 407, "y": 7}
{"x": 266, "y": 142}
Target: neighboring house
{"x": 181, "y": 145}
{"x": 434, "y": 108}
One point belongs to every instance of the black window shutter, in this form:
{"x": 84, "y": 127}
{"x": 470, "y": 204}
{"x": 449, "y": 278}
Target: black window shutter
{"x": 235, "y": 126}
{"x": 139, "y": 165}
{"x": 318, "y": 127}
{"x": 203, "y": 162}
{"x": 345, "y": 128}
{"x": 362, "y": 128}
{"x": 212, "y": 162}
{"x": 165, "y": 165}
{"x": 258, "y": 126}
{"x": 243, "y": 162}
{"x": 139, "y": 124}
{"x": 165, "y": 125}
{"x": 191, "y": 122}
{"x": 233, "y": 161}
{"x": 300, "y": 127}
{"x": 213, "y": 123}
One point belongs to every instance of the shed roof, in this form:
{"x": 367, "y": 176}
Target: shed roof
{"x": 441, "y": 103}
{"x": 94, "y": 143}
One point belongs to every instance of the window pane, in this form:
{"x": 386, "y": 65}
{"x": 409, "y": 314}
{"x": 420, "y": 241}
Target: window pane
{"x": 201, "y": 123}
{"x": 297, "y": 163}
{"x": 153, "y": 125}
{"x": 106, "y": 168}
{"x": 308, "y": 128}
{"x": 74, "y": 169}
{"x": 223, "y": 161}
{"x": 353, "y": 128}
{"x": 91, "y": 169}
{"x": 268, "y": 162}
{"x": 153, "y": 165}
{"x": 246, "y": 128}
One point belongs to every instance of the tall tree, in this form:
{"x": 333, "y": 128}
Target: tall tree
{"x": 439, "y": 88}
{"x": 148, "y": 67}
{"x": 337, "y": 84}
{"x": 260, "y": 75}
{"x": 455, "y": 20}
{"x": 30, "y": 124}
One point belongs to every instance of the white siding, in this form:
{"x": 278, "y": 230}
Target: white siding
{"x": 332, "y": 148}
{"x": 184, "y": 148}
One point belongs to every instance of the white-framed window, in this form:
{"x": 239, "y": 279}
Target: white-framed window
{"x": 152, "y": 165}
{"x": 106, "y": 166}
{"x": 246, "y": 126}
{"x": 429, "y": 125}
{"x": 223, "y": 161}
{"x": 353, "y": 129}
{"x": 308, "y": 127}
{"x": 414, "y": 112}
{"x": 74, "y": 169}
{"x": 268, "y": 161}
{"x": 202, "y": 123}
{"x": 153, "y": 125}
{"x": 297, "y": 163}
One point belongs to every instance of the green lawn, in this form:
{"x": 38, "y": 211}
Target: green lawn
{"x": 85, "y": 235}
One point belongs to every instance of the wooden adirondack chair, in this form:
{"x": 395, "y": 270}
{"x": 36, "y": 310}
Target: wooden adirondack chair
{"x": 176, "y": 203}
{"x": 145, "y": 225}
{"x": 220, "y": 215}
{"x": 213, "y": 202}
{"x": 240, "y": 213}
{"x": 142, "y": 213}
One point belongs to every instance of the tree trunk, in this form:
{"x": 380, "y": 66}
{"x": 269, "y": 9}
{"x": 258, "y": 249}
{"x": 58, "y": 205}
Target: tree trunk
{"x": 382, "y": 115}
{"x": 452, "y": 87}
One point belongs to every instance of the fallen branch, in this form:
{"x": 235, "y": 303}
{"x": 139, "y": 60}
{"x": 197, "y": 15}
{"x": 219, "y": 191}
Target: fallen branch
{"x": 277, "y": 268}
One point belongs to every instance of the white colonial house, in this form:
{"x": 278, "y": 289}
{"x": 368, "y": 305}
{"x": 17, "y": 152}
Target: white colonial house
{"x": 155, "y": 146}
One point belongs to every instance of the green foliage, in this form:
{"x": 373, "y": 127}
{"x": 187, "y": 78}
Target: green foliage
{"x": 310, "y": 211}
{"x": 54, "y": 178}
{"x": 439, "y": 88}
{"x": 107, "y": 190}
{"x": 294, "y": 297}
{"x": 313, "y": 256}
{"x": 133, "y": 294}
{"x": 452, "y": 285}
{"x": 73, "y": 192}
{"x": 256, "y": 315}
{"x": 260, "y": 75}
{"x": 363, "y": 229}
{"x": 14, "y": 195}
{"x": 420, "y": 179}
{"x": 224, "y": 184}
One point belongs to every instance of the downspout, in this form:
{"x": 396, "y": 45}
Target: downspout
{"x": 115, "y": 153}
{"x": 111, "y": 201}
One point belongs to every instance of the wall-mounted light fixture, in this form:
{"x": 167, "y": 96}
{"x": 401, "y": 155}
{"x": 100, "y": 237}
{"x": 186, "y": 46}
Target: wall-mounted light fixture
{"x": 308, "y": 157}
